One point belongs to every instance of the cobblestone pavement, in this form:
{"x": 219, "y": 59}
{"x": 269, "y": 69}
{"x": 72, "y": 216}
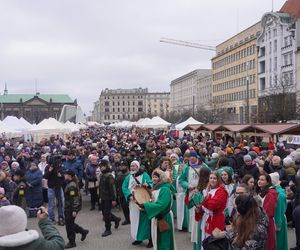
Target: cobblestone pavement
{"x": 120, "y": 238}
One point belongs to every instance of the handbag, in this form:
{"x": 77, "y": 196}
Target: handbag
{"x": 212, "y": 243}
{"x": 163, "y": 226}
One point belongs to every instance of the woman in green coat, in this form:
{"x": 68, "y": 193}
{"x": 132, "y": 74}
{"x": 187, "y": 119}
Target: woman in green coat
{"x": 160, "y": 212}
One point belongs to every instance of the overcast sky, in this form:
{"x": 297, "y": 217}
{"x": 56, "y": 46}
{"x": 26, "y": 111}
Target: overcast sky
{"x": 80, "y": 47}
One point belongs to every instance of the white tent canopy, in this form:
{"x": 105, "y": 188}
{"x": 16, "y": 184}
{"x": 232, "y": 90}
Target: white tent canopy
{"x": 17, "y": 124}
{"x": 6, "y": 132}
{"x": 190, "y": 121}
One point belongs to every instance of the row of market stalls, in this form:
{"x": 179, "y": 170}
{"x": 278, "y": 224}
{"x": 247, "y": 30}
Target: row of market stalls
{"x": 12, "y": 127}
{"x": 287, "y": 131}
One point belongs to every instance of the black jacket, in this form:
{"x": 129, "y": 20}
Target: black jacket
{"x": 106, "y": 187}
{"x": 55, "y": 177}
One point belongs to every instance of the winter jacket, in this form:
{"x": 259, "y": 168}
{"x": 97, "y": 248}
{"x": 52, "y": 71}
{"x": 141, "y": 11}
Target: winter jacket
{"x": 55, "y": 177}
{"x": 30, "y": 240}
{"x": 106, "y": 186}
{"x": 19, "y": 194}
{"x": 72, "y": 197}
{"x": 257, "y": 239}
{"x": 252, "y": 170}
{"x": 34, "y": 195}
{"x": 297, "y": 190}
{"x": 76, "y": 166}
{"x": 90, "y": 172}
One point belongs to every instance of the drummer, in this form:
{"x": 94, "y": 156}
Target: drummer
{"x": 160, "y": 212}
{"x": 140, "y": 224}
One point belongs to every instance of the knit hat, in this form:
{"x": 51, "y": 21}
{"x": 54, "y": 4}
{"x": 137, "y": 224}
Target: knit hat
{"x": 275, "y": 179}
{"x": 288, "y": 161}
{"x": 247, "y": 158}
{"x": 14, "y": 218}
{"x": 256, "y": 149}
{"x": 135, "y": 163}
{"x": 215, "y": 156}
{"x": 253, "y": 155}
{"x": 228, "y": 150}
{"x": 2, "y": 190}
{"x": 193, "y": 154}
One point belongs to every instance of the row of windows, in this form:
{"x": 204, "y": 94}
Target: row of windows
{"x": 107, "y": 103}
{"x": 234, "y": 57}
{"x": 234, "y": 83}
{"x": 123, "y": 116}
{"x": 123, "y": 97}
{"x": 237, "y": 96}
{"x": 123, "y": 110}
{"x": 234, "y": 70}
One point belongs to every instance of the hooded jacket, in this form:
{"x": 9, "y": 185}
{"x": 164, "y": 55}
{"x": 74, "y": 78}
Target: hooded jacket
{"x": 30, "y": 240}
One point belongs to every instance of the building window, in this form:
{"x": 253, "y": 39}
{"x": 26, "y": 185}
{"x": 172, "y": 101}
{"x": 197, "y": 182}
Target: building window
{"x": 275, "y": 45}
{"x": 106, "y": 109}
{"x": 285, "y": 57}
{"x": 106, "y": 103}
{"x": 140, "y": 109}
{"x": 274, "y": 32}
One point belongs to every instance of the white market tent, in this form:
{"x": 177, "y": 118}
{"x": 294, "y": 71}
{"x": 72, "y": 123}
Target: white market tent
{"x": 157, "y": 122}
{"x": 190, "y": 121}
{"x": 6, "y": 132}
{"x": 17, "y": 124}
{"x": 48, "y": 127}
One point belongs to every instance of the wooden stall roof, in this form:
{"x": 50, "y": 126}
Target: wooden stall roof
{"x": 232, "y": 127}
{"x": 278, "y": 128}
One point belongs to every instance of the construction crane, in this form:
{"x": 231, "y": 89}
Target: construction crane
{"x": 188, "y": 44}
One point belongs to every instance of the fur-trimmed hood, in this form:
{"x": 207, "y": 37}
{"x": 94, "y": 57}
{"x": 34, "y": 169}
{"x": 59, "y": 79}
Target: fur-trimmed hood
{"x": 19, "y": 239}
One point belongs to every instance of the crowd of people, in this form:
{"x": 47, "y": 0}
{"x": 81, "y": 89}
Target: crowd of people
{"x": 225, "y": 192}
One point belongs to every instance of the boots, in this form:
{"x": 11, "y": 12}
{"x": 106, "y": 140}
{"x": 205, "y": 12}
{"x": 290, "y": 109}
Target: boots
{"x": 117, "y": 222}
{"x": 106, "y": 233}
{"x": 70, "y": 245}
{"x": 84, "y": 234}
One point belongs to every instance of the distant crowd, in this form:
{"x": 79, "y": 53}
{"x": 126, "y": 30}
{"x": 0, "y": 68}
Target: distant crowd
{"x": 238, "y": 193}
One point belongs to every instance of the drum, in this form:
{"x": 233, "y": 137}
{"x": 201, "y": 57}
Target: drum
{"x": 141, "y": 195}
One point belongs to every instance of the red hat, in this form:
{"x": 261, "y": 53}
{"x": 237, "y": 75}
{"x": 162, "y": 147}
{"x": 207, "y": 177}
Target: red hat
{"x": 256, "y": 149}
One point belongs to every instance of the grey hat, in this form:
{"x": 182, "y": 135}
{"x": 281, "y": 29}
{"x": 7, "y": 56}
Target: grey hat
{"x": 247, "y": 158}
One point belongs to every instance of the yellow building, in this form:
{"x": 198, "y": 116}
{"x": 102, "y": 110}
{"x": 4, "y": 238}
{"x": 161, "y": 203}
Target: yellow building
{"x": 234, "y": 77}
{"x": 157, "y": 104}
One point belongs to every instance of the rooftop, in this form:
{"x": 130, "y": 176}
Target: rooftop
{"x": 15, "y": 98}
{"x": 291, "y": 7}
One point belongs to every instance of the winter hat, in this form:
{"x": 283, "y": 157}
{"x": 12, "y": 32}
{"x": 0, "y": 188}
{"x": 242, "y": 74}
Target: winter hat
{"x": 2, "y": 190}
{"x": 253, "y": 154}
{"x": 14, "y": 218}
{"x": 275, "y": 179}
{"x": 215, "y": 156}
{"x": 288, "y": 161}
{"x": 247, "y": 158}
{"x": 193, "y": 154}
{"x": 229, "y": 150}
{"x": 135, "y": 163}
{"x": 256, "y": 149}
{"x": 276, "y": 160}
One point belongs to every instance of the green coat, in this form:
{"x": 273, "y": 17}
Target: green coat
{"x": 30, "y": 240}
{"x": 280, "y": 220}
{"x": 196, "y": 200}
{"x": 161, "y": 208}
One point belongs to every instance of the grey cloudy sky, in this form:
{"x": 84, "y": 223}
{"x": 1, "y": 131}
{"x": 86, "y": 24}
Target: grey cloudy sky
{"x": 80, "y": 47}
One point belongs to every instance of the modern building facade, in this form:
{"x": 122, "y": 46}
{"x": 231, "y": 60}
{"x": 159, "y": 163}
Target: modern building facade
{"x": 185, "y": 91}
{"x": 157, "y": 104}
{"x": 204, "y": 95}
{"x": 33, "y": 107}
{"x": 234, "y": 77}
{"x": 277, "y": 66}
{"x": 122, "y": 104}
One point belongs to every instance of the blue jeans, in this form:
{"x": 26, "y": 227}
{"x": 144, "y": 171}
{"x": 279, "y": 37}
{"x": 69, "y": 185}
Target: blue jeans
{"x": 59, "y": 195}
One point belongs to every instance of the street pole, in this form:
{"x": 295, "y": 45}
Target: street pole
{"x": 247, "y": 101}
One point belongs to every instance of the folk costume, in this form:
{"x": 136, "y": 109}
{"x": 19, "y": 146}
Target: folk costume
{"x": 212, "y": 208}
{"x": 279, "y": 217}
{"x": 190, "y": 178}
{"x": 160, "y": 210}
{"x": 140, "y": 224}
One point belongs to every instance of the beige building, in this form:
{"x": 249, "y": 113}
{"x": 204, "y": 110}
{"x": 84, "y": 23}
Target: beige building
{"x": 122, "y": 104}
{"x": 204, "y": 99}
{"x": 95, "y": 116}
{"x": 185, "y": 90}
{"x": 157, "y": 104}
{"x": 234, "y": 76}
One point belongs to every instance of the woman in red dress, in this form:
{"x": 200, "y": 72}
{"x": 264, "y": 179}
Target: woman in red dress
{"x": 211, "y": 209}
{"x": 269, "y": 200}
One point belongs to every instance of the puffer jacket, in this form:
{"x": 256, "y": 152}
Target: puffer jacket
{"x": 30, "y": 240}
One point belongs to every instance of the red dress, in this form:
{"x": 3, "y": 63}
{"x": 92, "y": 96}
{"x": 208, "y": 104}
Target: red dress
{"x": 269, "y": 205}
{"x": 213, "y": 206}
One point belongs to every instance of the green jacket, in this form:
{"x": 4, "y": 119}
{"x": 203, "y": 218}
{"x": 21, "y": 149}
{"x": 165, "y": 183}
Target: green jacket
{"x": 30, "y": 240}
{"x": 72, "y": 198}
